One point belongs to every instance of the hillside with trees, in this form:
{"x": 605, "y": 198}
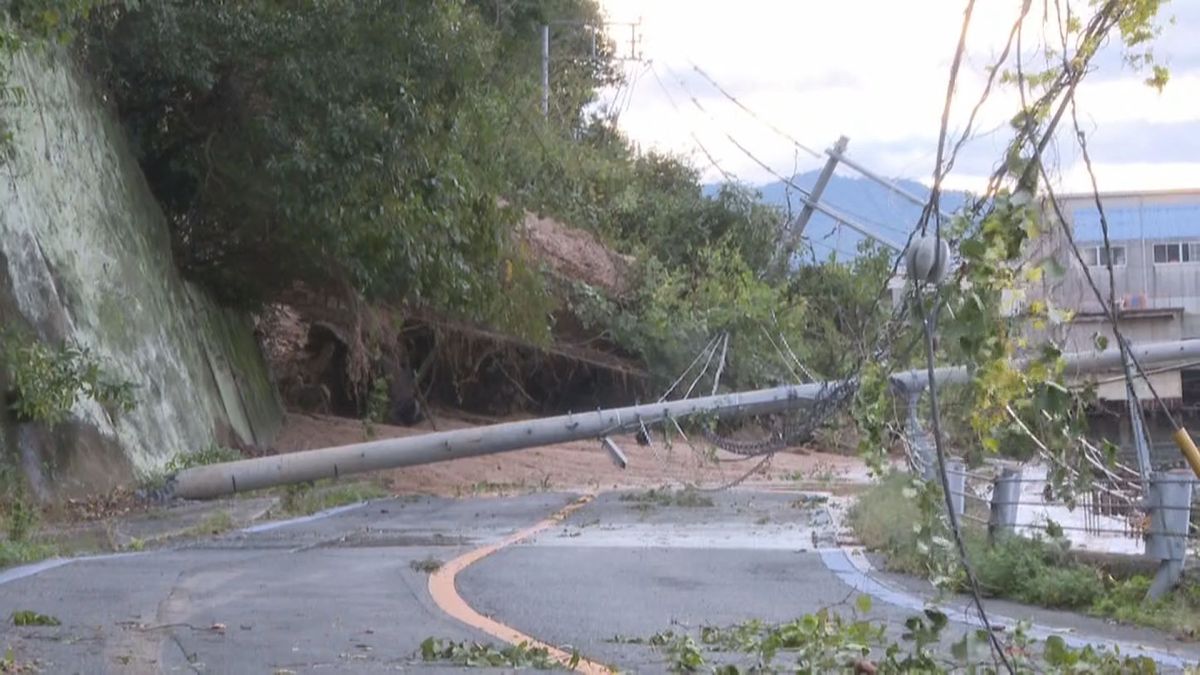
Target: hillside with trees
{"x": 366, "y": 170}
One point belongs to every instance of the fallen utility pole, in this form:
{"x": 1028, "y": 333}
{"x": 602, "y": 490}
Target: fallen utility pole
{"x": 215, "y": 480}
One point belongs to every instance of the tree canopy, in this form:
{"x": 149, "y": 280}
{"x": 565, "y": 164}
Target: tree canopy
{"x": 390, "y": 147}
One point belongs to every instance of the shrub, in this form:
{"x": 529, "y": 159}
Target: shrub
{"x": 883, "y": 519}
{"x": 46, "y": 381}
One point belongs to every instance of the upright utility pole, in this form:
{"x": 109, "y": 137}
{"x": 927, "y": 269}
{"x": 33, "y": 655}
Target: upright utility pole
{"x": 545, "y": 71}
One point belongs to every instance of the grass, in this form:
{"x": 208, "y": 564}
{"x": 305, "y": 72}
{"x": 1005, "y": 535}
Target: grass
{"x": 214, "y": 523}
{"x": 1031, "y": 571}
{"x": 213, "y": 454}
{"x": 487, "y": 487}
{"x": 883, "y": 518}
{"x": 26, "y": 617}
{"x": 426, "y": 565}
{"x": 24, "y": 552}
{"x": 305, "y": 500}
{"x": 686, "y": 498}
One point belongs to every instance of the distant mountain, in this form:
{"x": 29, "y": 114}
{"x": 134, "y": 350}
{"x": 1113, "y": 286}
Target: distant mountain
{"x": 888, "y": 215}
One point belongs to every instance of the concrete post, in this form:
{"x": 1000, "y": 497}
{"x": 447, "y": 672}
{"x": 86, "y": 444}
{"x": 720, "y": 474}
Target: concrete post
{"x": 1140, "y": 443}
{"x": 1006, "y": 493}
{"x": 215, "y": 480}
{"x": 206, "y": 482}
{"x": 956, "y": 474}
{"x": 545, "y": 72}
{"x": 818, "y": 190}
{"x": 923, "y": 447}
{"x": 1170, "y": 501}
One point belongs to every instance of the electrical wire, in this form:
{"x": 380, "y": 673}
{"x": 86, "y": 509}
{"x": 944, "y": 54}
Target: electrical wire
{"x": 738, "y": 103}
{"x": 955, "y": 527}
{"x": 806, "y": 195}
{"x": 863, "y": 171}
{"x": 1128, "y": 359}
{"x": 729, "y": 178}
{"x": 928, "y": 324}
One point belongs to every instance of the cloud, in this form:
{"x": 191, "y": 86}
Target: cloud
{"x": 875, "y": 71}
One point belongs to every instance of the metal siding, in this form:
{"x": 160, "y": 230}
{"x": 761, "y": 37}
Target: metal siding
{"x": 1160, "y": 218}
{"x": 1149, "y": 221}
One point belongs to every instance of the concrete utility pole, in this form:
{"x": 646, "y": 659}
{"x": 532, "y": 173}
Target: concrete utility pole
{"x": 215, "y": 480}
{"x": 840, "y": 155}
{"x": 1141, "y": 443}
{"x": 595, "y": 31}
{"x": 812, "y": 203}
{"x": 545, "y": 71}
{"x": 818, "y": 189}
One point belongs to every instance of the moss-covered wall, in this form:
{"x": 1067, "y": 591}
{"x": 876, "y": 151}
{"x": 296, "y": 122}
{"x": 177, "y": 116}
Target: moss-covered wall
{"x": 85, "y": 255}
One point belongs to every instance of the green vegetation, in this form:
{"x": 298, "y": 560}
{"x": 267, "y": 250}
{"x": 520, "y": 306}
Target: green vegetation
{"x": 488, "y": 487}
{"x": 213, "y": 524}
{"x": 687, "y": 497}
{"x": 20, "y": 517}
{"x": 390, "y": 149}
{"x": 42, "y": 384}
{"x": 304, "y": 500}
{"x": 213, "y": 454}
{"x": 476, "y": 655}
{"x": 825, "y": 641}
{"x": 27, "y": 617}
{"x": 426, "y": 565}
{"x": 377, "y": 402}
{"x": 24, "y": 552}
{"x": 1033, "y": 571}
{"x": 45, "y": 381}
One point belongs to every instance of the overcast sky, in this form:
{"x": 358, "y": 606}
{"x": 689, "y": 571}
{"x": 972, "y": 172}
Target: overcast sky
{"x": 876, "y": 71}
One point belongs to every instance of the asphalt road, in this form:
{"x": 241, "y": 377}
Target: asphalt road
{"x": 341, "y": 593}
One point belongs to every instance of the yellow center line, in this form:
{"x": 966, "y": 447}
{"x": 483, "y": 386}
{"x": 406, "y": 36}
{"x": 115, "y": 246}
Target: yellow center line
{"x": 445, "y": 593}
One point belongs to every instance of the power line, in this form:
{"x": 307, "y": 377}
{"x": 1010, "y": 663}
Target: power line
{"x": 928, "y": 324}
{"x": 840, "y": 156}
{"x": 806, "y": 196}
{"x": 831, "y": 247}
{"x": 753, "y": 114}
{"x": 729, "y": 178}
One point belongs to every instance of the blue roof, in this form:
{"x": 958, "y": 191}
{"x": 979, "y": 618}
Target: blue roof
{"x": 1151, "y": 221}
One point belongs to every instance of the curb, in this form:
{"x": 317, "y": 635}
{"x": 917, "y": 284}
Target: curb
{"x": 854, "y": 570}
{"x": 22, "y": 571}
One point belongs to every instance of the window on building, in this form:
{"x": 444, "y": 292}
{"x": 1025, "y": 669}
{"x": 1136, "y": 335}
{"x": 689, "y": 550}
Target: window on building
{"x": 1183, "y": 252}
{"x": 1097, "y": 256}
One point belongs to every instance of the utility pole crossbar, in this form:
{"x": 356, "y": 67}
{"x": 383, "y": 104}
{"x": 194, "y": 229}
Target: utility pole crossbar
{"x": 215, "y": 480}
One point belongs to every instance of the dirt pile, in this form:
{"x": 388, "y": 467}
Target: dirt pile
{"x": 575, "y": 254}
{"x": 332, "y": 353}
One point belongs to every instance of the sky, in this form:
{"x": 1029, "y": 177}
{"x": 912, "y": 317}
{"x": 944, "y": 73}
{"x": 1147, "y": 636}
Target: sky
{"x": 876, "y": 72}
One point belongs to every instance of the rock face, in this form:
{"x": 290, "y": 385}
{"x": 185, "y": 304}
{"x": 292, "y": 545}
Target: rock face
{"x": 85, "y": 256}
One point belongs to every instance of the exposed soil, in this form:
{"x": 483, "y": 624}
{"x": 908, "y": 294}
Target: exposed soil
{"x": 580, "y": 465}
{"x": 575, "y": 254}
{"x": 328, "y": 350}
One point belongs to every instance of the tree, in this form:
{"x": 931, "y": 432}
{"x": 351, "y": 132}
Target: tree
{"x": 318, "y": 141}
